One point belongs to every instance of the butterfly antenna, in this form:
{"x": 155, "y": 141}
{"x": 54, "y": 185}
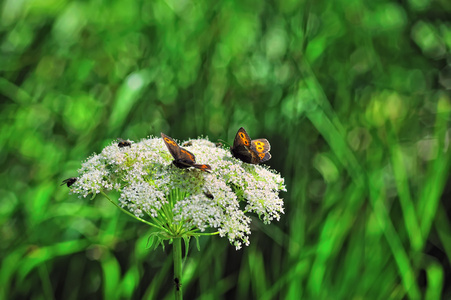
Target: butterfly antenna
{"x": 224, "y": 142}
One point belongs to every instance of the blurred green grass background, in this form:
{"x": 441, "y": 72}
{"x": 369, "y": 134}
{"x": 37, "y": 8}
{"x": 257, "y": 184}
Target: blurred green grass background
{"x": 353, "y": 96}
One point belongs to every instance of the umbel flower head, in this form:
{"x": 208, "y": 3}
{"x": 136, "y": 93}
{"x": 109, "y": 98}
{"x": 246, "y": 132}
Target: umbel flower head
{"x": 184, "y": 202}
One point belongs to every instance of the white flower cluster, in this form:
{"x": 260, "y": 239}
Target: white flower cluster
{"x": 144, "y": 177}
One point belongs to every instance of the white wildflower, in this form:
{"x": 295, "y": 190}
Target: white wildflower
{"x": 218, "y": 201}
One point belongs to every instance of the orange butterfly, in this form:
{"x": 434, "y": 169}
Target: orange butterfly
{"x": 250, "y": 151}
{"x": 182, "y": 157}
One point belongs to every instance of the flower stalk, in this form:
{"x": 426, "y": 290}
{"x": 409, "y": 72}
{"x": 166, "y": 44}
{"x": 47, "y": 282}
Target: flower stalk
{"x": 177, "y": 256}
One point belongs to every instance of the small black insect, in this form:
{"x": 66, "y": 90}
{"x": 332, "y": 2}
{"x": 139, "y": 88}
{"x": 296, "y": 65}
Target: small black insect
{"x": 218, "y": 145}
{"x": 208, "y": 195}
{"x": 69, "y": 181}
{"x": 187, "y": 144}
{"x": 178, "y": 285}
{"x": 123, "y": 143}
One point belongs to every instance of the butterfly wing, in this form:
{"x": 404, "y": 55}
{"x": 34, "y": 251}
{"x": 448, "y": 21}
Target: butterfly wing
{"x": 242, "y": 139}
{"x": 241, "y": 147}
{"x": 264, "y": 157}
{"x": 188, "y": 159}
{"x": 202, "y": 167}
{"x": 187, "y": 156}
{"x": 261, "y": 147}
{"x": 172, "y": 146}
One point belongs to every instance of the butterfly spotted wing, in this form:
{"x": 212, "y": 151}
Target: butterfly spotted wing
{"x": 250, "y": 151}
{"x": 262, "y": 147}
{"x": 241, "y": 147}
{"x": 182, "y": 157}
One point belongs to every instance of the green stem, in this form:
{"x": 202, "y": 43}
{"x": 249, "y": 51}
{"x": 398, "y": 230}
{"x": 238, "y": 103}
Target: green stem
{"x": 127, "y": 212}
{"x": 177, "y": 253}
{"x": 195, "y": 232}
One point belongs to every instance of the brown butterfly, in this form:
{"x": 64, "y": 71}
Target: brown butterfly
{"x": 182, "y": 157}
{"x": 123, "y": 143}
{"x": 69, "y": 181}
{"x": 250, "y": 151}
